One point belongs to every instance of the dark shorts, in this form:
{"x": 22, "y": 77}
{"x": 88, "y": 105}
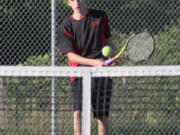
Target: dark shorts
{"x": 101, "y": 95}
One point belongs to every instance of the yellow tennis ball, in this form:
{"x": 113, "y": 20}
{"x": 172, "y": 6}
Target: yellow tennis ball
{"x": 106, "y": 51}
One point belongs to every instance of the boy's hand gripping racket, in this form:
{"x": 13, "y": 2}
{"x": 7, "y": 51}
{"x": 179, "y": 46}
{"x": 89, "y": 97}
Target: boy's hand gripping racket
{"x": 138, "y": 47}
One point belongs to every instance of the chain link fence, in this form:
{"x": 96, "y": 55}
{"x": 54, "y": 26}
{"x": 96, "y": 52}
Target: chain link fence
{"x": 25, "y": 40}
{"x": 26, "y": 28}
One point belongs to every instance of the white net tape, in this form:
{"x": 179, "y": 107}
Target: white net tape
{"x": 95, "y": 71}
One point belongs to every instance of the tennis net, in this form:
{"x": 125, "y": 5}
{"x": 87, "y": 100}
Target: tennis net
{"x": 145, "y": 100}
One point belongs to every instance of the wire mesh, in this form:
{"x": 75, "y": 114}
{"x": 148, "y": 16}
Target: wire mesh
{"x": 145, "y": 105}
{"x": 143, "y": 101}
{"x": 26, "y": 28}
{"x": 140, "y": 105}
{"x": 26, "y": 108}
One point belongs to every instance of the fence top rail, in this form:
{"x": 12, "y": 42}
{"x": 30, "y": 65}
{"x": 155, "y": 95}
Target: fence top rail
{"x": 64, "y": 71}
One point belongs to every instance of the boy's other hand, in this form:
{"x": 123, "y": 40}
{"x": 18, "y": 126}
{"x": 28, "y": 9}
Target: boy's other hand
{"x": 99, "y": 63}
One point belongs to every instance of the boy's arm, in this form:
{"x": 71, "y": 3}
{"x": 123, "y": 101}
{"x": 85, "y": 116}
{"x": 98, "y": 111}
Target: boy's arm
{"x": 85, "y": 61}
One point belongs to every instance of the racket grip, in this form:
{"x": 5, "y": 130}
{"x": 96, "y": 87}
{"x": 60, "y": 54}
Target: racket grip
{"x": 109, "y": 61}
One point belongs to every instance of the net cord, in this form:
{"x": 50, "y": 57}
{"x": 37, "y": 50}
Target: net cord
{"x": 116, "y": 71}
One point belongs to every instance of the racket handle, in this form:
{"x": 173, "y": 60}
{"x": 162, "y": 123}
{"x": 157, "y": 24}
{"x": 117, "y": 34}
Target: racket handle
{"x": 109, "y": 61}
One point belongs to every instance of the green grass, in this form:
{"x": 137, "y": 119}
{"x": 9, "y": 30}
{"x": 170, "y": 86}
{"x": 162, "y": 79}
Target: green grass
{"x": 13, "y": 131}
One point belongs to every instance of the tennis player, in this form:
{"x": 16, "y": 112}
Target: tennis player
{"x": 82, "y": 37}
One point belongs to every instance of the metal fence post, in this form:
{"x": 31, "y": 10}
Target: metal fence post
{"x": 53, "y": 59}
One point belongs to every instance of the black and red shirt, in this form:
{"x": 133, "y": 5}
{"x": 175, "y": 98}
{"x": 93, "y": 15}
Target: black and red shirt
{"x": 86, "y": 36}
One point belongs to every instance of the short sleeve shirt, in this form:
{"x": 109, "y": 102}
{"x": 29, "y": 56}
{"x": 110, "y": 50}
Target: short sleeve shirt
{"x": 86, "y": 36}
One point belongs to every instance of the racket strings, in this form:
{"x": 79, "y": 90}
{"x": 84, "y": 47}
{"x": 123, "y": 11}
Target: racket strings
{"x": 139, "y": 47}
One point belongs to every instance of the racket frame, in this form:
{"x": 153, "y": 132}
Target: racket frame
{"x": 111, "y": 60}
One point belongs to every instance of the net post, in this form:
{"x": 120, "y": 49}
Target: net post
{"x": 86, "y": 102}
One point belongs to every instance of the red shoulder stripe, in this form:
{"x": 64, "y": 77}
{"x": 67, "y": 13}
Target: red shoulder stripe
{"x": 68, "y": 34}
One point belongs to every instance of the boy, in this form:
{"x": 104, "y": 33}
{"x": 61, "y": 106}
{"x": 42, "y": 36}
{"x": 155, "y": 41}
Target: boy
{"x": 82, "y": 37}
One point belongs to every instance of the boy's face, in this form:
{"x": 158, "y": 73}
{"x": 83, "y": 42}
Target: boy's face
{"x": 77, "y": 5}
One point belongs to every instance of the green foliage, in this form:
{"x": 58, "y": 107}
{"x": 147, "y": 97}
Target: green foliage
{"x": 35, "y": 93}
{"x": 27, "y": 24}
{"x": 138, "y": 128}
{"x": 26, "y": 30}
{"x": 166, "y": 50}
{"x": 136, "y": 15}
{"x": 63, "y": 2}
{"x": 160, "y": 17}
{"x": 11, "y": 131}
{"x": 32, "y": 93}
{"x": 45, "y": 60}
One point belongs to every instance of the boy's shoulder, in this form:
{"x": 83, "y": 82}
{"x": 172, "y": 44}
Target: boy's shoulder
{"x": 66, "y": 22}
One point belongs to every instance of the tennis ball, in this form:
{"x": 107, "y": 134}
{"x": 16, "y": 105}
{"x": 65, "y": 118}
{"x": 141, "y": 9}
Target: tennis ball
{"x": 106, "y": 51}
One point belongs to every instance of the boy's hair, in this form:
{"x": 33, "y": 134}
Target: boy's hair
{"x": 65, "y": 1}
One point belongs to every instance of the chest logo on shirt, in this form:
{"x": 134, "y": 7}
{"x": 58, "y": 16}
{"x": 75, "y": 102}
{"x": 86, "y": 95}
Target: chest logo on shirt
{"x": 93, "y": 24}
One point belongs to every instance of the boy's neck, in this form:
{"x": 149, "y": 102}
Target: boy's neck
{"x": 79, "y": 15}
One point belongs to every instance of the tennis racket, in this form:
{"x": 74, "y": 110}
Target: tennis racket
{"x": 138, "y": 47}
